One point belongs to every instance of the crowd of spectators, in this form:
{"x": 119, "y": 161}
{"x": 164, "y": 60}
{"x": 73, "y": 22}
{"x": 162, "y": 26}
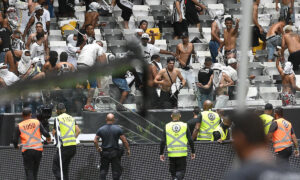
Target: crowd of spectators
{"x": 25, "y": 50}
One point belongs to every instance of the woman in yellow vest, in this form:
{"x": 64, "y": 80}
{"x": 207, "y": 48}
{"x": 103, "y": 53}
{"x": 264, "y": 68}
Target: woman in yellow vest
{"x": 176, "y": 136}
{"x": 69, "y": 131}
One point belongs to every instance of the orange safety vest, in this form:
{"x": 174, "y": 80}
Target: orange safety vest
{"x": 282, "y": 137}
{"x": 30, "y": 135}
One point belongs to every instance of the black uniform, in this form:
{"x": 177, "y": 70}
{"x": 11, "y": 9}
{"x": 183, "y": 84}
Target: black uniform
{"x": 31, "y": 157}
{"x": 111, "y": 152}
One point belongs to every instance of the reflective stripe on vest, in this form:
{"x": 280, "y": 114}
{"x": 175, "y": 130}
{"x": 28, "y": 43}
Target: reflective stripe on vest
{"x": 267, "y": 120}
{"x": 176, "y": 139}
{"x": 221, "y": 131}
{"x": 282, "y": 137}
{"x": 210, "y": 121}
{"x": 30, "y": 139}
{"x": 67, "y": 129}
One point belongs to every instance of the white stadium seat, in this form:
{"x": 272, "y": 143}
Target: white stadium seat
{"x": 140, "y": 10}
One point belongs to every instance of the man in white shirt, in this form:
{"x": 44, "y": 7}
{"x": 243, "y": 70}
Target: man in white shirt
{"x": 72, "y": 49}
{"x": 89, "y": 55}
{"x": 149, "y": 49}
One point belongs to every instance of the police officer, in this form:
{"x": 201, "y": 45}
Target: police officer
{"x": 267, "y": 117}
{"x": 210, "y": 120}
{"x": 110, "y": 150}
{"x": 30, "y": 131}
{"x": 221, "y": 132}
{"x": 69, "y": 131}
{"x": 283, "y": 137}
{"x": 176, "y": 136}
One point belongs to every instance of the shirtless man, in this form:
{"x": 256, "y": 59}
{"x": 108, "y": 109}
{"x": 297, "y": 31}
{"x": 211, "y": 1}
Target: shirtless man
{"x": 257, "y": 31}
{"x": 230, "y": 36}
{"x": 286, "y": 10}
{"x": 291, "y": 41}
{"x": 31, "y": 25}
{"x": 154, "y": 68}
{"x": 274, "y": 39}
{"x": 184, "y": 51}
{"x": 215, "y": 41}
{"x": 167, "y": 100}
{"x": 92, "y": 15}
{"x": 50, "y": 65}
{"x": 289, "y": 86}
{"x": 32, "y": 37}
{"x": 88, "y": 38}
{"x": 63, "y": 58}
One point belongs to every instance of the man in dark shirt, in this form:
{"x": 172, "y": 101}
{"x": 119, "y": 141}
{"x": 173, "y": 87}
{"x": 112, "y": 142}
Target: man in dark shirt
{"x": 30, "y": 131}
{"x": 4, "y": 42}
{"x": 196, "y": 118}
{"x": 205, "y": 81}
{"x": 282, "y": 134}
{"x": 110, "y": 151}
{"x": 251, "y": 145}
{"x": 176, "y": 135}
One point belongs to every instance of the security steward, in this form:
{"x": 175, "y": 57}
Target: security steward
{"x": 69, "y": 131}
{"x": 220, "y": 134}
{"x": 176, "y": 135}
{"x": 267, "y": 117}
{"x": 283, "y": 137}
{"x": 30, "y": 132}
{"x": 210, "y": 120}
{"x": 110, "y": 151}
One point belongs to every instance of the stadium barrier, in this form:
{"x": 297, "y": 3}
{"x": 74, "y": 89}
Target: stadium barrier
{"x": 213, "y": 161}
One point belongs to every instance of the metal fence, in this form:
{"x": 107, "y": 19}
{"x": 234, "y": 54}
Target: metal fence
{"x": 212, "y": 162}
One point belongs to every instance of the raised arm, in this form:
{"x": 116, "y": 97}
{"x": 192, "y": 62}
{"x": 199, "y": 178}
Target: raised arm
{"x": 236, "y": 29}
{"x": 29, "y": 24}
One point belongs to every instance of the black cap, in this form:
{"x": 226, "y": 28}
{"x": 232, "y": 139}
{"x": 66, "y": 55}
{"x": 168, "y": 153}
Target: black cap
{"x": 61, "y": 106}
{"x": 26, "y": 111}
{"x": 268, "y": 106}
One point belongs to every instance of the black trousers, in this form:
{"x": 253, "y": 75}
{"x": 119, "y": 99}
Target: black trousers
{"x": 284, "y": 155}
{"x": 154, "y": 100}
{"x": 113, "y": 157}
{"x": 177, "y": 167}
{"x": 166, "y": 101}
{"x": 67, "y": 153}
{"x": 31, "y": 160}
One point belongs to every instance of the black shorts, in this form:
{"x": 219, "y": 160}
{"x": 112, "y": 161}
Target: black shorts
{"x": 192, "y": 17}
{"x": 180, "y": 27}
{"x": 126, "y": 12}
{"x": 256, "y": 36}
{"x": 294, "y": 58}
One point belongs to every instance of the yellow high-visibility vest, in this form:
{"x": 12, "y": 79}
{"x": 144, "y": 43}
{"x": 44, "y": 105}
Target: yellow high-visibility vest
{"x": 210, "y": 121}
{"x": 67, "y": 129}
{"x": 176, "y": 139}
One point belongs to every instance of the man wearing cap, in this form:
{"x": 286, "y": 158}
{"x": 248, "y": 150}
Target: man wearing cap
{"x": 68, "y": 132}
{"x": 283, "y": 137}
{"x": 291, "y": 40}
{"x": 149, "y": 49}
{"x": 289, "y": 86}
{"x": 267, "y": 117}
{"x": 177, "y": 136}
{"x": 30, "y": 27}
{"x": 184, "y": 53}
{"x": 30, "y": 132}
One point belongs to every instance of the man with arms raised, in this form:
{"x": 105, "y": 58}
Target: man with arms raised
{"x": 184, "y": 51}
{"x": 166, "y": 78}
{"x": 230, "y": 36}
